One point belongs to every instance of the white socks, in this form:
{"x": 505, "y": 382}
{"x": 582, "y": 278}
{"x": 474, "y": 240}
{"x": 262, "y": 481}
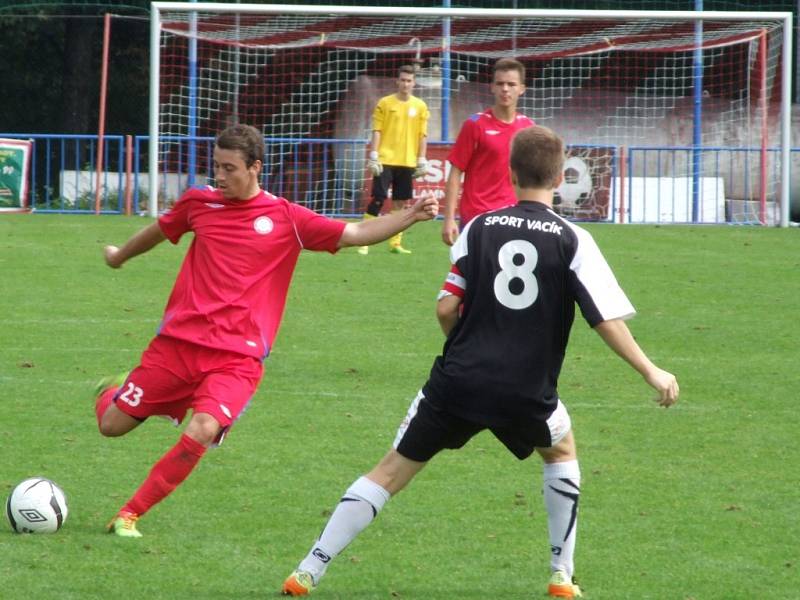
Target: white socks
{"x": 360, "y": 504}
{"x": 364, "y": 499}
{"x": 561, "y": 488}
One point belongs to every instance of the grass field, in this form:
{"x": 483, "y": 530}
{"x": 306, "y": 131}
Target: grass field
{"x": 697, "y": 502}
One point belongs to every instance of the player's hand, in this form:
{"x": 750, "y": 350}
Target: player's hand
{"x": 665, "y": 384}
{"x": 449, "y": 231}
{"x": 427, "y": 207}
{"x": 375, "y": 167}
{"x": 111, "y": 256}
{"x": 422, "y": 167}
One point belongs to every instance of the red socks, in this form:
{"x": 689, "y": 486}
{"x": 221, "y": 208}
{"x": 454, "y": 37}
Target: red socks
{"x": 167, "y": 474}
{"x": 103, "y": 401}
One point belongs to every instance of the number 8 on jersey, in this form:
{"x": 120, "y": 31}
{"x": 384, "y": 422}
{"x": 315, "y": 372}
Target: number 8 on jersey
{"x": 509, "y": 271}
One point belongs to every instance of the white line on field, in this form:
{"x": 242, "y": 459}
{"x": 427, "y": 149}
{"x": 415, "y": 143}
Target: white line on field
{"x": 71, "y": 349}
{"x": 272, "y": 392}
{"x": 75, "y": 321}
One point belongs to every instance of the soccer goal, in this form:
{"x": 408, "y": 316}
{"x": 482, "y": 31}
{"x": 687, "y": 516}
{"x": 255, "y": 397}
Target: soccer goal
{"x": 669, "y": 116}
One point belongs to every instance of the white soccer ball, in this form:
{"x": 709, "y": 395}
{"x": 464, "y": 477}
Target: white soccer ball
{"x": 37, "y": 505}
{"x": 575, "y": 191}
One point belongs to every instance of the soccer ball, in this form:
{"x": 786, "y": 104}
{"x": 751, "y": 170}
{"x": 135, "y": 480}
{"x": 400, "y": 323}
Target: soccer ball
{"x": 37, "y": 505}
{"x": 575, "y": 191}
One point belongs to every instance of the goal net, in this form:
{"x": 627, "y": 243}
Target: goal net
{"x": 669, "y": 117}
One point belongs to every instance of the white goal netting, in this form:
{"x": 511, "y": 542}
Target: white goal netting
{"x": 640, "y": 102}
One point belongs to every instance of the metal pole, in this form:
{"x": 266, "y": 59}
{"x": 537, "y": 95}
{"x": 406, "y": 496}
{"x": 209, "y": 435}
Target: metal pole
{"x": 153, "y": 144}
{"x": 101, "y": 125}
{"x": 191, "y": 158}
{"x": 786, "y": 121}
{"x": 446, "y": 74}
{"x": 236, "y": 67}
{"x": 697, "y": 128}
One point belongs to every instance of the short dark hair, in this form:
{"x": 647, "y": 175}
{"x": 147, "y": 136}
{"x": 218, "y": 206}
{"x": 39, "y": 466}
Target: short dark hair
{"x": 537, "y": 157}
{"x": 409, "y": 69}
{"x": 509, "y": 64}
{"x": 244, "y": 138}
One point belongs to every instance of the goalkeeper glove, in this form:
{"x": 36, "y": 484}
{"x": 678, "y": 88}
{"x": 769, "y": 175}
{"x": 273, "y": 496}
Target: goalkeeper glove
{"x": 422, "y": 167}
{"x": 373, "y": 165}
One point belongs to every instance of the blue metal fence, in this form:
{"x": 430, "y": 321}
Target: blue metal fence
{"x": 62, "y": 172}
{"x": 329, "y": 176}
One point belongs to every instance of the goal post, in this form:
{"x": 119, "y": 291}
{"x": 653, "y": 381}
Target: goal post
{"x": 710, "y": 89}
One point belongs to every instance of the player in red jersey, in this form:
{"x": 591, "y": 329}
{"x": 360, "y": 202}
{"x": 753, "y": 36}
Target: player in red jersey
{"x": 481, "y": 152}
{"x": 224, "y": 310}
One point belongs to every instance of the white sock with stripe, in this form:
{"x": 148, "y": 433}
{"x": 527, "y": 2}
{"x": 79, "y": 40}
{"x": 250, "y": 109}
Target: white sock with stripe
{"x": 561, "y": 489}
{"x": 360, "y": 504}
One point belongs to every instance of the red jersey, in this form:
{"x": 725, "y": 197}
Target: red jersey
{"x": 482, "y": 152}
{"x": 231, "y": 289}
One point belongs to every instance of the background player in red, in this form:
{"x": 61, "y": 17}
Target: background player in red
{"x": 481, "y": 152}
{"x": 517, "y": 273}
{"x": 224, "y": 310}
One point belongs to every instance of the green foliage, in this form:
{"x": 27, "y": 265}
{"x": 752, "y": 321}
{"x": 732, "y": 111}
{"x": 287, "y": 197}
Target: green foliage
{"x": 698, "y": 501}
{"x": 75, "y": 6}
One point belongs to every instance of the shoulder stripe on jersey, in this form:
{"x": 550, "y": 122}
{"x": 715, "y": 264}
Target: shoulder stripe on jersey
{"x": 595, "y": 275}
{"x": 291, "y": 220}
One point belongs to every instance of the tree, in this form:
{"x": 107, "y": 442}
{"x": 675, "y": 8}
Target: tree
{"x": 79, "y": 81}
{"x": 51, "y": 67}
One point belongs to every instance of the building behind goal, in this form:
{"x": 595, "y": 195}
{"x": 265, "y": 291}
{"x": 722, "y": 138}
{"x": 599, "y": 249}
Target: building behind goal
{"x": 669, "y": 116}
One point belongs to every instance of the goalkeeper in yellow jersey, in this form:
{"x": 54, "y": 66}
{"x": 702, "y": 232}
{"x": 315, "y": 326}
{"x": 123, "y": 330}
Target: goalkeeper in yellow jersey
{"x": 397, "y": 150}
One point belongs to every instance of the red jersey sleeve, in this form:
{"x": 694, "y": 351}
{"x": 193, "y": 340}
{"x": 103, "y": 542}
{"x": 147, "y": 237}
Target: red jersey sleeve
{"x": 461, "y": 152}
{"x": 315, "y": 231}
{"x": 175, "y": 222}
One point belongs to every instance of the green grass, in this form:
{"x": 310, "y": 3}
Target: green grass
{"x": 696, "y": 502}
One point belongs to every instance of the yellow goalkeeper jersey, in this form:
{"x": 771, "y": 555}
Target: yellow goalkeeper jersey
{"x": 402, "y": 124}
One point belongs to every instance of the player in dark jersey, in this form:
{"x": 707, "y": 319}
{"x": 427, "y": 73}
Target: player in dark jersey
{"x": 507, "y": 307}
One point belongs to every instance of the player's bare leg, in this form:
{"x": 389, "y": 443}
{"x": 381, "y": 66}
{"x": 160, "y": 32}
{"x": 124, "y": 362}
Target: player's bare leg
{"x": 115, "y": 423}
{"x": 111, "y": 421}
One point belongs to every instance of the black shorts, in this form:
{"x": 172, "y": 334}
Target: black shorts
{"x": 400, "y": 179}
{"x": 427, "y": 429}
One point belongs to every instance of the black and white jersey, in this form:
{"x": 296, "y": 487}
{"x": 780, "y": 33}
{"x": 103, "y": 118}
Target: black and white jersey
{"x": 519, "y": 271}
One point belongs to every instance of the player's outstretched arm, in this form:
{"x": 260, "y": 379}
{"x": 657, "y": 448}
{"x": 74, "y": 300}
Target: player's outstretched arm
{"x": 451, "y": 190}
{"x": 617, "y": 336}
{"x": 372, "y": 231}
{"x": 139, "y": 243}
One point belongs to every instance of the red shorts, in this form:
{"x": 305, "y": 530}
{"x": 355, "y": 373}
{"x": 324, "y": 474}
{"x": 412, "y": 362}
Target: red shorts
{"x": 175, "y": 376}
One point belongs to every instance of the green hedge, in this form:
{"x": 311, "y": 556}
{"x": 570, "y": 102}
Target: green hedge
{"x": 143, "y": 6}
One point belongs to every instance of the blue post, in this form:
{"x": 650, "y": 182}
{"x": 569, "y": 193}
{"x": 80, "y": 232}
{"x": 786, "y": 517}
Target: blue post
{"x": 697, "y": 129}
{"x": 191, "y": 158}
{"x": 446, "y": 74}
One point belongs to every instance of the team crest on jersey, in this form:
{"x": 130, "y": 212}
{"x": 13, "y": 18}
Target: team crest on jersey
{"x": 263, "y": 225}
{"x": 412, "y": 112}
